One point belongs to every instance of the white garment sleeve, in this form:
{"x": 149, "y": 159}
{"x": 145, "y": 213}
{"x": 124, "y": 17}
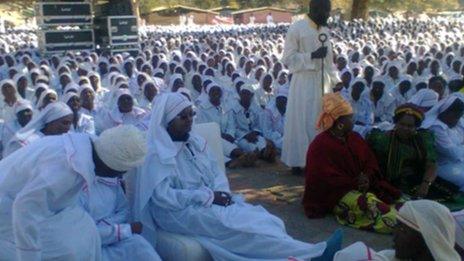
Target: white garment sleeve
{"x": 113, "y": 233}
{"x": 295, "y": 60}
{"x": 266, "y": 125}
{"x": 331, "y": 70}
{"x": 230, "y": 124}
{"x": 90, "y": 127}
{"x": 36, "y": 202}
{"x": 445, "y": 146}
{"x": 122, "y": 211}
{"x": 167, "y": 196}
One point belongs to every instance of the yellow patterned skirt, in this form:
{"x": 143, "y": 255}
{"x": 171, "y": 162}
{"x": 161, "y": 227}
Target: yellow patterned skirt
{"x": 365, "y": 212}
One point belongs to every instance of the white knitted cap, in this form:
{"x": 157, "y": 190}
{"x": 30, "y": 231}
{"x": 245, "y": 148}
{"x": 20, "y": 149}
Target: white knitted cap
{"x": 121, "y": 148}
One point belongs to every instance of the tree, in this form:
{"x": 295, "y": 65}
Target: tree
{"x": 360, "y": 9}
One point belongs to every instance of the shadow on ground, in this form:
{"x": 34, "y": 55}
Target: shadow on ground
{"x": 272, "y": 186}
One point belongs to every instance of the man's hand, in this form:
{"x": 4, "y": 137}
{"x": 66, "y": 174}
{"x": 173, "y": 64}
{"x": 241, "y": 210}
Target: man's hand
{"x": 136, "y": 228}
{"x": 228, "y": 137}
{"x": 320, "y": 53}
{"x": 252, "y": 137}
{"x": 422, "y": 190}
{"x": 222, "y": 198}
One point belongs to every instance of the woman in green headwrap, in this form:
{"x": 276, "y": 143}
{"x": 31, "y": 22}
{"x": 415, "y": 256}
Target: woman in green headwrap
{"x": 407, "y": 156}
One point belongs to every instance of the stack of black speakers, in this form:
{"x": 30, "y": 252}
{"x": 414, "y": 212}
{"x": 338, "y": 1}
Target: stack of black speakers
{"x": 64, "y": 26}
{"x": 111, "y": 28}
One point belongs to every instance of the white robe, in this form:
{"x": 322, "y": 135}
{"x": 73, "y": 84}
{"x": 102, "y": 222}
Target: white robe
{"x": 209, "y": 113}
{"x": 8, "y": 131}
{"x": 111, "y": 118}
{"x": 182, "y": 203}
{"x": 15, "y": 144}
{"x": 449, "y": 143}
{"x": 85, "y": 124}
{"x": 39, "y": 215}
{"x": 304, "y": 101}
{"x": 108, "y": 206}
{"x": 245, "y": 125}
{"x": 272, "y": 124}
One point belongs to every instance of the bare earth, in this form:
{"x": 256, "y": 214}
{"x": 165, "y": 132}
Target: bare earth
{"x": 272, "y": 186}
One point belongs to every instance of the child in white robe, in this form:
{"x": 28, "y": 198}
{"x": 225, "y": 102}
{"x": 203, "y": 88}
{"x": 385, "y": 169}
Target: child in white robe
{"x": 122, "y": 112}
{"x": 248, "y": 132}
{"x": 384, "y": 103}
{"x": 108, "y": 206}
{"x": 273, "y": 118}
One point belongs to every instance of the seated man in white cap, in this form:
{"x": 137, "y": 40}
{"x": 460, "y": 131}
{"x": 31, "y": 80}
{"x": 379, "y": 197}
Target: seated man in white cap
{"x": 425, "y": 231}
{"x": 40, "y": 218}
{"x": 180, "y": 189}
{"x": 108, "y": 206}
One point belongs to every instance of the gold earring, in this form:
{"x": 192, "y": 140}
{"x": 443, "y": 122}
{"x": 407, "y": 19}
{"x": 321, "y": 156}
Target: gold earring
{"x": 340, "y": 126}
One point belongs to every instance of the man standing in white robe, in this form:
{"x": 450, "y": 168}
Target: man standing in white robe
{"x": 40, "y": 184}
{"x": 303, "y": 54}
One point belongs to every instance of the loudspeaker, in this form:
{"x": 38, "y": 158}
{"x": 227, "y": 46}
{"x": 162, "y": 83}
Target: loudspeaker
{"x": 63, "y": 13}
{"x": 116, "y": 30}
{"x": 52, "y": 41}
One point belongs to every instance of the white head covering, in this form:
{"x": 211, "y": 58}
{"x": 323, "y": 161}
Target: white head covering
{"x": 67, "y": 96}
{"x": 52, "y": 112}
{"x": 71, "y": 87}
{"x": 425, "y": 98}
{"x": 42, "y": 97}
{"x": 10, "y": 82}
{"x": 440, "y": 107}
{"x": 185, "y": 91}
{"x": 121, "y": 148}
{"x": 23, "y": 105}
{"x": 436, "y": 224}
{"x": 83, "y": 87}
{"x": 173, "y": 79}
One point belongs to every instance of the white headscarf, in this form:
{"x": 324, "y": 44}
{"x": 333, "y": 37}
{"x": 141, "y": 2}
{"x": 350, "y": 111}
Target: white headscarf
{"x": 436, "y": 224}
{"x": 52, "y": 112}
{"x": 67, "y": 96}
{"x": 23, "y": 105}
{"x": 432, "y": 115}
{"x": 425, "y": 98}
{"x": 173, "y": 79}
{"x": 42, "y": 97}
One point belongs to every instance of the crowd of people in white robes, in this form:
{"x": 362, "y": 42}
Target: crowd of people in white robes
{"x": 233, "y": 76}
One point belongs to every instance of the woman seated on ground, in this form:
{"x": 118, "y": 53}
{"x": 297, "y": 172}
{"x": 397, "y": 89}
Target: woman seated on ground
{"x": 407, "y": 156}
{"x": 445, "y": 121}
{"x": 122, "y": 112}
{"x": 55, "y": 119}
{"x": 342, "y": 174}
{"x": 181, "y": 190}
{"x": 82, "y": 122}
{"x": 425, "y": 231}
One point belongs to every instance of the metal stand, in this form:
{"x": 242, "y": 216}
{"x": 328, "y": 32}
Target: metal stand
{"x": 323, "y": 39}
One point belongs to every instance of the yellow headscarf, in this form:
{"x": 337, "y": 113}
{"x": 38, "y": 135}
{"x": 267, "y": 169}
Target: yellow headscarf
{"x": 333, "y": 107}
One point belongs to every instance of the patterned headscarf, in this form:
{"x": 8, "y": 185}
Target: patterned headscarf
{"x": 333, "y": 107}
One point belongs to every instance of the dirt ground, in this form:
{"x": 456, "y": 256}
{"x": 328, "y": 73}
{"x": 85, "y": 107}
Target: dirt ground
{"x": 272, "y": 186}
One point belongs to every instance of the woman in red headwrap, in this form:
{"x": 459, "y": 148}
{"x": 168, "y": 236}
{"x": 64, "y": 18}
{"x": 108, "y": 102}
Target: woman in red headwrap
{"x": 342, "y": 174}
